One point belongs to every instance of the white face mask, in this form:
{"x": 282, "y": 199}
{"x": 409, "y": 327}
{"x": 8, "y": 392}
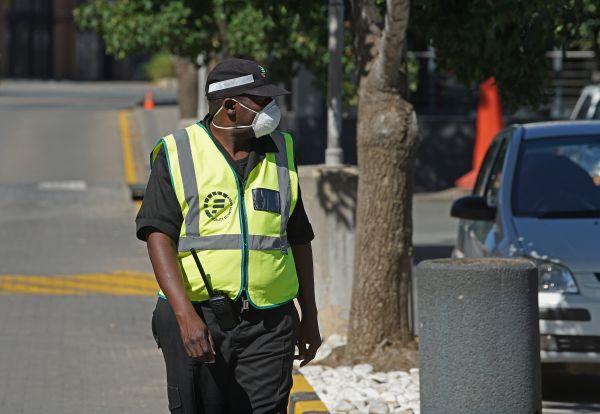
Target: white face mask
{"x": 265, "y": 121}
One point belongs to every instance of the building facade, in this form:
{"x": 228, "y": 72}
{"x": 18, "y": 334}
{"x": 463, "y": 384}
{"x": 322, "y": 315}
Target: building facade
{"x": 40, "y": 40}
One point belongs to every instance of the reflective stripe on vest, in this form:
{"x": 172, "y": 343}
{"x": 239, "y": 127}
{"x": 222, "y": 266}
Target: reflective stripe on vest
{"x": 212, "y": 201}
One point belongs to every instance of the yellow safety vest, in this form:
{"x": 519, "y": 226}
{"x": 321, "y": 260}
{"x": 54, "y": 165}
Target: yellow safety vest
{"x": 238, "y": 228}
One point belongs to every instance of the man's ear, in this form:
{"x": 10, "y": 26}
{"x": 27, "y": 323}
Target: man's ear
{"x": 229, "y": 105}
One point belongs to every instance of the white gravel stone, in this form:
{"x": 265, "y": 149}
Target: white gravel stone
{"x": 401, "y": 399}
{"x": 359, "y": 390}
{"x": 334, "y": 341}
{"x": 411, "y": 394}
{"x": 379, "y": 377}
{"x": 378, "y": 407}
{"x": 380, "y": 387}
{"x": 313, "y": 370}
{"x": 388, "y": 397}
{"x": 344, "y": 406}
{"x": 370, "y": 393}
{"x": 362, "y": 370}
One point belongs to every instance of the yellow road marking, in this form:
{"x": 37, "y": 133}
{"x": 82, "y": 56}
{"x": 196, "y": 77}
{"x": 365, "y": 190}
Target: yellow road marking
{"x": 310, "y": 406}
{"x": 96, "y": 279}
{"x": 35, "y": 290}
{"x": 128, "y": 159}
{"x": 124, "y": 281}
{"x": 142, "y": 275}
{"x": 79, "y": 285}
{"x": 116, "y": 283}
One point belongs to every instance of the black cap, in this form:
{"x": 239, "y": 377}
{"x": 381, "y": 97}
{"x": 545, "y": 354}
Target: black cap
{"x": 233, "y": 77}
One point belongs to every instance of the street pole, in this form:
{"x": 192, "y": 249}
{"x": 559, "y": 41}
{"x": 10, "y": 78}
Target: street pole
{"x": 334, "y": 153}
{"x": 202, "y": 102}
{"x": 557, "y": 65}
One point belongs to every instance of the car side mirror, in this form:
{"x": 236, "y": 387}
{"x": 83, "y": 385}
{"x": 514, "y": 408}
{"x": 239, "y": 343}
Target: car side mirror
{"x": 473, "y": 208}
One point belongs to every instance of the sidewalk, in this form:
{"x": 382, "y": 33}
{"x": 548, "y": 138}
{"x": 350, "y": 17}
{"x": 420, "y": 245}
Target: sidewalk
{"x": 79, "y": 354}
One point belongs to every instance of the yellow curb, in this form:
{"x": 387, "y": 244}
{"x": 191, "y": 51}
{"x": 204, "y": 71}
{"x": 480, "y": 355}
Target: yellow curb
{"x": 303, "y": 398}
{"x": 301, "y": 384}
{"x": 128, "y": 159}
{"x": 310, "y": 406}
{"x": 128, "y": 142}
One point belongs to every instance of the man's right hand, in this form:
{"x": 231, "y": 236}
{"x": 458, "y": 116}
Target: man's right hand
{"x": 196, "y": 338}
{"x": 195, "y": 334}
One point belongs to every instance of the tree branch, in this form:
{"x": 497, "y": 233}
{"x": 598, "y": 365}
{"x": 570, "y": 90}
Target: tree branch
{"x": 367, "y": 24}
{"x": 391, "y": 63}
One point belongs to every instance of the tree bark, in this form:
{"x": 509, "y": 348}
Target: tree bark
{"x": 386, "y": 138}
{"x": 187, "y": 89}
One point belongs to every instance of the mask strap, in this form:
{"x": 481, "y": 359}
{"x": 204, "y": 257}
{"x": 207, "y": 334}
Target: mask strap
{"x": 231, "y": 127}
{"x": 251, "y": 110}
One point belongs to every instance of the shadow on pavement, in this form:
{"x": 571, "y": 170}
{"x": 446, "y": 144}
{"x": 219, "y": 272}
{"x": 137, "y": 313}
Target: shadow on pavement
{"x": 579, "y": 393}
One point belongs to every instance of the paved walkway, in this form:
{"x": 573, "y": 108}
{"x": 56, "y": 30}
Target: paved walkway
{"x": 79, "y": 354}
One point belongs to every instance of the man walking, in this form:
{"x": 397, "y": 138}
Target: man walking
{"x": 229, "y": 242}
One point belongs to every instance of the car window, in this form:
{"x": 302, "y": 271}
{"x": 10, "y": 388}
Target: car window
{"x": 558, "y": 178}
{"x": 484, "y": 169}
{"x": 495, "y": 177}
{"x": 584, "y": 108}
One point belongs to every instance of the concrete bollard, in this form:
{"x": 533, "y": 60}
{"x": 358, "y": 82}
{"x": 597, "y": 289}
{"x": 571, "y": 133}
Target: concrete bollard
{"x": 479, "y": 338}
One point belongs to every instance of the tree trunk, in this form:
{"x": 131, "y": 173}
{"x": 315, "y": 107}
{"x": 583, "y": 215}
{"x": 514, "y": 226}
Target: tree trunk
{"x": 187, "y": 90}
{"x": 386, "y": 136}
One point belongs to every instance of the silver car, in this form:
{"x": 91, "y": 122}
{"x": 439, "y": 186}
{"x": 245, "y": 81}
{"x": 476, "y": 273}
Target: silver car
{"x": 588, "y": 104}
{"x": 537, "y": 195}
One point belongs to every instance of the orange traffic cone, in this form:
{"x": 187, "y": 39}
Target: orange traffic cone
{"x": 148, "y": 101}
{"x": 489, "y": 123}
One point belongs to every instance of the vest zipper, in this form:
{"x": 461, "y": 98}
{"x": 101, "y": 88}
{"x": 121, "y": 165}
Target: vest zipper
{"x": 243, "y": 223}
{"x": 244, "y": 229}
{"x": 241, "y": 185}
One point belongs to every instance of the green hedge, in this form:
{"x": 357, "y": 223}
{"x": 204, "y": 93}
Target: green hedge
{"x": 161, "y": 65}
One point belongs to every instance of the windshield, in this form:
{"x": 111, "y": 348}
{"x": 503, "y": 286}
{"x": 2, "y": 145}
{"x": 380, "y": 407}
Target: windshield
{"x": 558, "y": 177}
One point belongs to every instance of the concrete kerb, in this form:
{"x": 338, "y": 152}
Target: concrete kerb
{"x": 135, "y": 175}
{"x": 303, "y": 398}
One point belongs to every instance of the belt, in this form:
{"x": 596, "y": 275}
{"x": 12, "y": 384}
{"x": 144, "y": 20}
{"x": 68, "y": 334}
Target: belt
{"x": 242, "y": 305}
{"x": 244, "y": 309}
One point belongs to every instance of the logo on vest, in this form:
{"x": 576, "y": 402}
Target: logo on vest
{"x": 218, "y": 205}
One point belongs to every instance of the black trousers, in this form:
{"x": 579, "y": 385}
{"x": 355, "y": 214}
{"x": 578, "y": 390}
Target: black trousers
{"x": 252, "y": 372}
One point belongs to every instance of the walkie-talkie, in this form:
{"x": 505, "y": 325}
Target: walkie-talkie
{"x": 219, "y": 302}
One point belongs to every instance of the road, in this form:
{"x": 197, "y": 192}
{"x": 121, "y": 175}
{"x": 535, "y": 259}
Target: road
{"x": 76, "y": 291}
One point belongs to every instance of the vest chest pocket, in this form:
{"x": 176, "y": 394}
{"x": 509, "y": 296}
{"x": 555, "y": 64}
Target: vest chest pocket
{"x": 266, "y": 200}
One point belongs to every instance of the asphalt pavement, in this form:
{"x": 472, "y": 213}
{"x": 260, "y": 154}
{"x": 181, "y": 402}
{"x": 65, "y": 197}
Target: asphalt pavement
{"x": 76, "y": 287}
